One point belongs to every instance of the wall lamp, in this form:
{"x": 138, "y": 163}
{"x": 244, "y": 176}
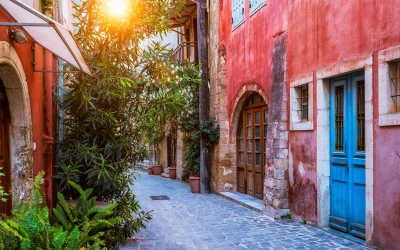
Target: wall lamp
{"x": 18, "y": 35}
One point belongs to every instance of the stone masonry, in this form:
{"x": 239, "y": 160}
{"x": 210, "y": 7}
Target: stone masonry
{"x": 276, "y": 186}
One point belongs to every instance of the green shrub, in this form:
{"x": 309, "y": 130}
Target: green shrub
{"x": 81, "y": 227}
{"x": 92, "y": 222}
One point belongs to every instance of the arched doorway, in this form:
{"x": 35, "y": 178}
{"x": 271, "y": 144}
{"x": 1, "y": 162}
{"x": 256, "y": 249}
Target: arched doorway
{"x": 19, "y": 125}
{"x": 251, "y": 140}
{"x": 5, "y": 181}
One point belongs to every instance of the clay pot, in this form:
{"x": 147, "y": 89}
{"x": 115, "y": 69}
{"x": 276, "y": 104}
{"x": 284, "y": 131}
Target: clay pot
{"x": 172, "y": 172}
{"x": 150, "y": 170}
{"x": 157, "y": 169}
{"x": 194, "y": 182}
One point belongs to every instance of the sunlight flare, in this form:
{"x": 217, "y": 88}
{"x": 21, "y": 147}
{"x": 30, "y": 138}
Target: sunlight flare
{"x": 117, "y": 8}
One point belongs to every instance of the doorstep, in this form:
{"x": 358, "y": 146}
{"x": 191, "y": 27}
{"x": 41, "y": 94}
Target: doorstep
{"x": 165, "y": 175}
{"x": 244, "y": 200}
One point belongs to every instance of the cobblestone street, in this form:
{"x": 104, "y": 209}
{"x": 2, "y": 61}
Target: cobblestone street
{"x": 193, "y": 221}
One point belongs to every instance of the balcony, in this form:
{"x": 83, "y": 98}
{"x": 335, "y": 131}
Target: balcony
{"x": 186, "y": 52}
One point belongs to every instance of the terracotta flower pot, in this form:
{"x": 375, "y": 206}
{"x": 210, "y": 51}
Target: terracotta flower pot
{"x": 157, "y": 169}
{"x": 150, "y": 170}
{"x": 172, "y": 172}
{"x": 194, "y": 182}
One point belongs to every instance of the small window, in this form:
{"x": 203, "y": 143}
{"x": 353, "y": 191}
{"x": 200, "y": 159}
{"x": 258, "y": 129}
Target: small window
{"x": 255, "y": 5}
{"x": 302, "y": 92}
{"x": 389, "y": 86}
{"x": 301, "y": 103}
{"x": 237, "y": 12}
{"x": 394, "y": 75}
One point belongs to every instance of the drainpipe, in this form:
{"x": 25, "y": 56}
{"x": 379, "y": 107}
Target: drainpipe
{"x": 203, "y": 93}
{"x": 60, "y": 81}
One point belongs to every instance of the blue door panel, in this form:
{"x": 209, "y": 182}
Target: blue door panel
{"x": 359, "y": 175}
{"x": 347, "y": 170}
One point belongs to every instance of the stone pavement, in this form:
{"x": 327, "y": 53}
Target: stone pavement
{"x": 194, "y": 221}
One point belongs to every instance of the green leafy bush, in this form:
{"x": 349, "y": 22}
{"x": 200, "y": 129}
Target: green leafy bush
{"x": 189, "y": 122}
{"x": 109, "y": 114}
{"x": 81, "y": 227}
{"x": 3, "y": 194}
{"x": 92, "y": 222}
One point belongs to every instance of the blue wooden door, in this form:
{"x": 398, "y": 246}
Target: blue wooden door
{"x": 347, "y": 169}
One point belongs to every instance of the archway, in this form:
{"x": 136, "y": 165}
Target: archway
{"x": 250, "y": 146}
{"x": 20, "y": 127}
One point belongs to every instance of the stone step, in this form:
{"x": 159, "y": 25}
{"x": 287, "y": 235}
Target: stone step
{"x": 165, "y": 175}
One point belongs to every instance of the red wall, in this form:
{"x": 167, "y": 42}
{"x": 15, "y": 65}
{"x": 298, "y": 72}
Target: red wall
{"x": 40, "y": 94}
{"x": 248, "y": 47}
{"x": 324, "y": 33}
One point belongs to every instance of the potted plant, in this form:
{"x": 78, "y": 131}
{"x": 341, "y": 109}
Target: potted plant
{"x": 154, "y": 138}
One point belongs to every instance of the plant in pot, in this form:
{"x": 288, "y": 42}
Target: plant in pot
{"x": 154, "y": 138}
{"x": 190, "y": 124}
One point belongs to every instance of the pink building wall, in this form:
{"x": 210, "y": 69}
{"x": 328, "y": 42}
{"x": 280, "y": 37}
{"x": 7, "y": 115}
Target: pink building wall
{"x": 324, "y": 33}
{"x": 320, "y": 34}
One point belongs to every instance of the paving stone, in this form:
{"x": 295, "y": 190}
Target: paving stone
{"x": 194, "y": 221}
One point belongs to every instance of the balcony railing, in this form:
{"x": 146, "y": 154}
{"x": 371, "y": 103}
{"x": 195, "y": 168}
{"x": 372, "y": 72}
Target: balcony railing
{"x": 186, "y": 52}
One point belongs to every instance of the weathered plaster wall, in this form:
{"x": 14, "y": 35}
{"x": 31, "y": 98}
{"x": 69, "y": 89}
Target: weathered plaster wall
{"x": 387, "y": 188}
{"x": 302, "y": 176}
{"x": 331, "y": 32}
{"x": 248, "y": 47}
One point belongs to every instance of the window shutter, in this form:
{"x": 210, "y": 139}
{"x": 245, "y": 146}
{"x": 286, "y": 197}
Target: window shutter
{"x": 237, "y": 12}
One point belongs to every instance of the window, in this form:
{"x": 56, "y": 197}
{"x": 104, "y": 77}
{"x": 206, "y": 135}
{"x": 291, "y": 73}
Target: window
{"x": 394, "y": 77}
{"x": 301, "y": 103}
{"x": 237, "y": 12}
{"x": 255, "y": 5}
{"x": 302, "y": 92}
{"x": 389, "y": 86}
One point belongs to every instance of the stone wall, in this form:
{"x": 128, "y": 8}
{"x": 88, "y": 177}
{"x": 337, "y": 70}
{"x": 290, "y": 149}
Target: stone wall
{"x": 276, "y": 195}
{"x": 223, "y": 159}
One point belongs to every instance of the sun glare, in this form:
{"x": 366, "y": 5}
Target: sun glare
{"x": 117, "y": 8}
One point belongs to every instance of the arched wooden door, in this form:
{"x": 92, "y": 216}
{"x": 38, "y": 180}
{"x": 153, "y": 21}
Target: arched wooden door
{"x": 5, "y": 181}
{"x": 251, "y": 141}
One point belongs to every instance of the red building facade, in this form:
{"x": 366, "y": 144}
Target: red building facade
{"x": 28, "y": 76}
{"x": 327, "y": 74}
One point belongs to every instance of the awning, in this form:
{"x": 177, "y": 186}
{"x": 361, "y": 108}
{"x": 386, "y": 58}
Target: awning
{"x": 186, "y": 13}
{"x": 50, "y": 34}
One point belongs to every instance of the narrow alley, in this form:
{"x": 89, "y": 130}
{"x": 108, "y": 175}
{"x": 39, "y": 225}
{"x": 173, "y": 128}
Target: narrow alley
{"x": 193, "y": 221}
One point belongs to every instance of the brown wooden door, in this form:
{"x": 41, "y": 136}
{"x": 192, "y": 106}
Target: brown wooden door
{"x": 5, "y": 181}
{"x": 171, "y": 148}
{"x": 251, "y": 147}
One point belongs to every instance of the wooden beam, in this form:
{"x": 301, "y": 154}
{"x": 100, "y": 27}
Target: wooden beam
{"x": 203, "y": 93}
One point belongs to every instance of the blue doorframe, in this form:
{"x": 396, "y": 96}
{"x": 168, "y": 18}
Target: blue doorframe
{"x": 347, "y": 154}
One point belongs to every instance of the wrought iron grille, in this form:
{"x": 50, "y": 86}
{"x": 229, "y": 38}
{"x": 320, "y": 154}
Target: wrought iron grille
{"x": 339, "y": 117}
{"x": 360, "y": 116}
{"x": 303, "y": 102}
{"x": 395, "y": 85}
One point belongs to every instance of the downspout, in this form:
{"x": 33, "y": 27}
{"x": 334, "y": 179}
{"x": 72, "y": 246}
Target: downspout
{"x": 60, "y": 81}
